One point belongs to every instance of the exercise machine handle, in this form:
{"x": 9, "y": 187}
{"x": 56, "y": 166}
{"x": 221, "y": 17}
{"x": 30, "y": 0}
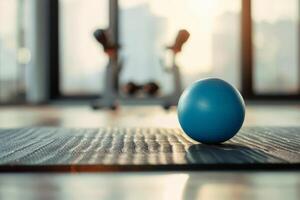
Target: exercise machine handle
{"x": 182, "y": 37}
{"x": 103, "y": 37}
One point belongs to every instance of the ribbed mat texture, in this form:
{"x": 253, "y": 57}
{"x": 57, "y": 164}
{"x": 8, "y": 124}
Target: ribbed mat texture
{"x": 144, "y": 146}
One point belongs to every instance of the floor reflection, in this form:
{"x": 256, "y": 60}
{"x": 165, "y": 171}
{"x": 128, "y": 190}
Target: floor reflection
{"x": 213, "y": 190}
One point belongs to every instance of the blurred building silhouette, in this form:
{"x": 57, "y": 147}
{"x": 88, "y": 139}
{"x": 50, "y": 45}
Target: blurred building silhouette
{"x": 276, "y": 62}
{"x": 82, "y": 61}
{"x": 8, "y": 73}
{"x": 141, "y": 36}
{"x": 226, "y": 48}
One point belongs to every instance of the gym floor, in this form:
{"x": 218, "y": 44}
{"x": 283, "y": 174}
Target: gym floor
{"x": 155, "y": 185}
{"x": 67, "y": 115}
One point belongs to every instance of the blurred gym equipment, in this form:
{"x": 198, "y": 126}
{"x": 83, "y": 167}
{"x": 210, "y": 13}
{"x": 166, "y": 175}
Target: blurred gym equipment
{"x": 111, "y": 97}
{"x": 151, "y": 89}
{"x": 134, "y": 89}
{"x": 131, "y": 89}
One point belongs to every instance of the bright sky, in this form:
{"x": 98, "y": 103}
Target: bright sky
{"x": 200, "y": 18}
{"x": 7, "y": 16}
{"x": 272, "y": 10}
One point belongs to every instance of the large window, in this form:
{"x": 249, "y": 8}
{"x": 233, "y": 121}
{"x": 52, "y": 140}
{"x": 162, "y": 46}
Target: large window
{"x": 269, "y": 54}
{"x": 82, "y": 61}
{"x": 262, "y": 61}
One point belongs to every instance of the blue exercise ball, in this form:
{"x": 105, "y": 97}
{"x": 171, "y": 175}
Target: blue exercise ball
{"x": 211, "y": 111}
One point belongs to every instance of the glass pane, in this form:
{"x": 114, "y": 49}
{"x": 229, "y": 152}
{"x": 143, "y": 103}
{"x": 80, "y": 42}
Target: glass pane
{"x": 275, "y": 28}
{"x": 148, "y": 26}
{"x": 82, "y": 60}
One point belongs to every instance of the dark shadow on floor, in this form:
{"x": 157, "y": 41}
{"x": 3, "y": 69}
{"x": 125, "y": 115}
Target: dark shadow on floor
{"x": 227, "y": 154}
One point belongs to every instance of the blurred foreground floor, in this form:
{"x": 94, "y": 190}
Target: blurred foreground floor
{"x": 149, "y": 186}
